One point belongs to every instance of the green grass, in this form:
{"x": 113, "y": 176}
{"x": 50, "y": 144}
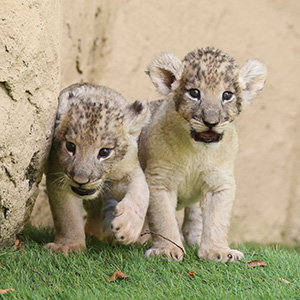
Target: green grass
{"x": 39, "y": 274}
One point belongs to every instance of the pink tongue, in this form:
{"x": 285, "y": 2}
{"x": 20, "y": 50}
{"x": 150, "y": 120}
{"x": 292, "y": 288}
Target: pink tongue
{"x": 208, "y": 134}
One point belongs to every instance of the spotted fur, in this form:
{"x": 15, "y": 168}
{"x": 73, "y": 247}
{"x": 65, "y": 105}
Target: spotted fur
{"x": 94, "y": 159}
{"x": 189, "y": 148}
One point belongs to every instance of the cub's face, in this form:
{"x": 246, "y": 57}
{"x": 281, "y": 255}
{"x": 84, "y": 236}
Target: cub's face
{"x": 91, "y": 139}
{"x": 208, "y": 94}
{"x": 95, "y": 129}
{"x": 208, "y": 89}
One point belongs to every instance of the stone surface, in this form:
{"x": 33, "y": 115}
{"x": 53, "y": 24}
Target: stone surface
{"x": 111, "y": 43}
{"x": 29, "y": 83}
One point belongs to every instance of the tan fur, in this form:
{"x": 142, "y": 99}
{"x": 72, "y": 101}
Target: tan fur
{"x": 91, "y": 118}
{"x": 188, "y": 150}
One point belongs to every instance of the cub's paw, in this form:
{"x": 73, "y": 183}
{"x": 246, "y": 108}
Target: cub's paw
{"x": 173, "y": 252}
{"x": 127, "y": 223}
{"x": 66, "y": 247}
{"x": 221, "y": 255}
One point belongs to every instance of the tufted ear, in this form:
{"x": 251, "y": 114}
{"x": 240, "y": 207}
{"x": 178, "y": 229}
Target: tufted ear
{"x": 136, "y": 116}
{"x": 252, "y": 77}
{"x": 164, "y": 69}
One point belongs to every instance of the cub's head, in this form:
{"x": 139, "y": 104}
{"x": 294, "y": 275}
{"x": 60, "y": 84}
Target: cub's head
{"x": 208, "y": 88}
{"x": 95, "y": 129}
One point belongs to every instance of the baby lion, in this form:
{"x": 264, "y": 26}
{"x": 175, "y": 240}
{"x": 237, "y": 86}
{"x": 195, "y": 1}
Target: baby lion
{"x": 94, "y": 158}
{"x": 189, "y": 148}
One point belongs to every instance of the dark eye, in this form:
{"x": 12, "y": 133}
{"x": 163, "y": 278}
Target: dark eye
{"x": 71, "y": 147}
{"x": 194, "y": 93}
{"x": 227, "y": 96}
{"x": 104, "y": 152}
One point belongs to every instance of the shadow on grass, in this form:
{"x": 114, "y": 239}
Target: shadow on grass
{"x": 42, "y": 236}
{"x": 39, "y": 235}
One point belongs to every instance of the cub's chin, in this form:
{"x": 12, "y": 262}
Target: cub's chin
{"x": 86, "y": 193}
{"x": 207, "y": 137}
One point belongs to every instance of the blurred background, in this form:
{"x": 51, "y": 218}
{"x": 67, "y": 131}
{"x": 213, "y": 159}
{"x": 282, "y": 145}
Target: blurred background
{"x": 110, "y": 42}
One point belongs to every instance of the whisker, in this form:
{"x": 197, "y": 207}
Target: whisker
{"x": 109, "y": 180}
{"x": 56, "y": 181}
{"x": 64, "y": 184}
{"x": 107, "y": 188}
{"x": 60, "y": 181}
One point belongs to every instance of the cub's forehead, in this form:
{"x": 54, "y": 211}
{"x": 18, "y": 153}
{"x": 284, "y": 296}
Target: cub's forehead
{"x": 92, "y": 112}
{"x": 210, "y": 66}
{"x": 83, "y": 96}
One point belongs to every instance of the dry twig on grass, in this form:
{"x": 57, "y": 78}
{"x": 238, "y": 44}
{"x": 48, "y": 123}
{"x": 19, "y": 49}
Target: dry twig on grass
{"x": 163, "y": 237}
{"x": 43, "y": 279}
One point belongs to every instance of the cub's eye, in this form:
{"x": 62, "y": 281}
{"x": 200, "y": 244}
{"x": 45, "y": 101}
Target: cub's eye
{"x": 194, "y": 93}
{"x": 71, "y": 147}
{"x": 104, "y": 152}
{"x": 227, "y": 96}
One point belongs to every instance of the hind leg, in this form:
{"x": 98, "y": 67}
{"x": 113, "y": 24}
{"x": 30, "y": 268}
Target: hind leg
{"x": 192, "y": 225}
{"x": 99, "y": 218}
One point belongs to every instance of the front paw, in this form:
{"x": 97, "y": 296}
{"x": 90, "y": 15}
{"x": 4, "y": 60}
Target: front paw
{"x": 127, "y": 223}
{"x": 66, "y": 247}
{"x": 173, "y": 252}
{"x": 221, "y": 255}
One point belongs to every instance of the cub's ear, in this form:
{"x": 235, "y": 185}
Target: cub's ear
{"x": 164, "y": 69}
{"x": 63, "y": 104}
{"x": 136, "y": 116}
{"x": 252, "y": 77}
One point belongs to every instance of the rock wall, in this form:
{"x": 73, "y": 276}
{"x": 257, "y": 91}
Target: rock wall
{"x": 29, "y": 83}
{"x": 111, "y": 42}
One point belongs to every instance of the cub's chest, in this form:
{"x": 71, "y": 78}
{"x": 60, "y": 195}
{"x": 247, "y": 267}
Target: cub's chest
{"x": 191, "y": 184}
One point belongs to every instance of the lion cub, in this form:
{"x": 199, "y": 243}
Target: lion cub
{"x": 188, "y": 150}
{"x": 94, "y": 158}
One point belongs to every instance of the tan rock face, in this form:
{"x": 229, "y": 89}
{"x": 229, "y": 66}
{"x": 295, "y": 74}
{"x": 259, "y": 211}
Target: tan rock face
{"x": 111, "y": 42}
{"x": 29, "y": 83}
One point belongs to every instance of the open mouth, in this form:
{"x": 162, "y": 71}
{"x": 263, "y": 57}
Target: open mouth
{"x": 83, "y": 192}
{"x": 206, "y": 136}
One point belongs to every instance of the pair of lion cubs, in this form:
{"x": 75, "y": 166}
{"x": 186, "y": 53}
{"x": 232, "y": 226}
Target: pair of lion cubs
{"x": 187, "y": 144}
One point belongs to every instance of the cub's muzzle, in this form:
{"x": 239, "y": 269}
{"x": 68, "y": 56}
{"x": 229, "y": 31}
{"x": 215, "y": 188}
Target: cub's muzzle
{"x": 209, "y": 136}
{"x": 83, "y": 192}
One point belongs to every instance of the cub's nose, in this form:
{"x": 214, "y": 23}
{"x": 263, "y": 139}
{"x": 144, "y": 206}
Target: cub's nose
{"x": 210, "y": 124}
{"x": 80, "y": 180}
